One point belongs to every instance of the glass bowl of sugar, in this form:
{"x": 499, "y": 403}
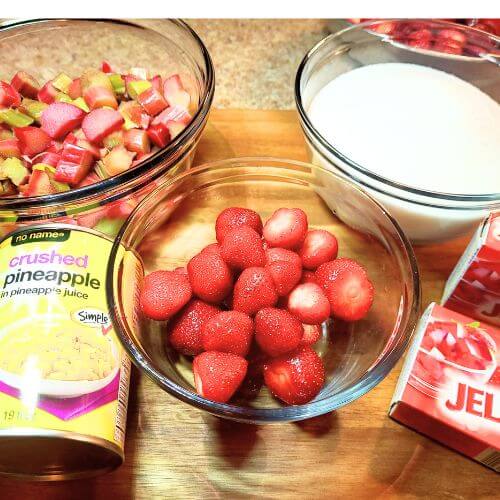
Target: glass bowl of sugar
{"x": 409, "y": 110}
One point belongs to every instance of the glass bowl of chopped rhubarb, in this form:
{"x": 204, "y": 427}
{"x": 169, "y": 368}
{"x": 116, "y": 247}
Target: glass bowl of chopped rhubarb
{"x": 94, "y": 114}
{"x": 263, "y": 290}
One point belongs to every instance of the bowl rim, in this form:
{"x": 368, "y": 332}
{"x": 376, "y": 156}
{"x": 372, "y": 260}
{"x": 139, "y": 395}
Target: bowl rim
{"x": 105, "y": 185}
{"x": 372, "y": 377}
{"x": 476, "y": 201}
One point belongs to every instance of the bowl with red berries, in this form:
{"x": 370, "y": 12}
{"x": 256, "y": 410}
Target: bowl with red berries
{"x": 94, "y": 114}
{"x": 263, "y": 290}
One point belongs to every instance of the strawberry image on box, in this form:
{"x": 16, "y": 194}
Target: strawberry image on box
{"x": 449, "y": 388}
{"x": 473, "y": 288}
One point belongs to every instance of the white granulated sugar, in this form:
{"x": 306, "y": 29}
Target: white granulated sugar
{"x": 414, "y": 125}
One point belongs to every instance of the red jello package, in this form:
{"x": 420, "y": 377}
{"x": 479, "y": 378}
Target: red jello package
{"x": 449, "y": 388}
{"x": 473, "y": 288}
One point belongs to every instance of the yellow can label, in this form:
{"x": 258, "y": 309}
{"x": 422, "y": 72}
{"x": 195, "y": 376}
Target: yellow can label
{"x": 61, "y": 364}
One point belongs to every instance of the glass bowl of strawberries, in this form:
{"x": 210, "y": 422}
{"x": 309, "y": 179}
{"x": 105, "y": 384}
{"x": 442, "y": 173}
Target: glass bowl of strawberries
{"x": 263, "y": 290}
{"x": 94, "y": 114}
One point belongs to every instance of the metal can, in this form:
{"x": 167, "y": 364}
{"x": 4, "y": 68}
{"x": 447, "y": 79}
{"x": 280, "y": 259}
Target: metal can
{"x": 64, "y": 377}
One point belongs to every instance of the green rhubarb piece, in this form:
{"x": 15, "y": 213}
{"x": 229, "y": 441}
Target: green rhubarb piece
{"x": 15, "y": 118}
{"x": 33, "y": 108}
{"x": 100, "y": 170}
{"x": 62, "y": 97}
{"x": 112, "y": 140}
{"x": 6, "y": 134}
{"x": 94, "y": 78}
{"x": 62, "y": 82}
{"x": 118, "y": 83}
{"x": 44, "y": 167}
{"x": 79, "y": 102}
{"x": 50, "y": 170}
{"x": 109, "y": 226}
{"x": 137, "y": 87}
{"x": 14, "y": 169}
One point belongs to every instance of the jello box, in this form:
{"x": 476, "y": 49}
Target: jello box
{"x": 449, "y": 388}
{"x": 473, "y": 288}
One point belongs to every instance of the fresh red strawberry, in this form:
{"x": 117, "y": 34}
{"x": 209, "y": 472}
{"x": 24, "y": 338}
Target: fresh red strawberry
{"x": 347, "y": 287}
{"x": 297, "y": 377}
{"x": 163, "y": 294}
{"x": 309, "y": 277}
{"x": 277, "y": 331}
{"x": 210, "y": 277}
{"x": 328, "y": 272}
{"x": 236, "y": 217}
{"x": 186, "y": 326}
{"x": 319, "y": 246}
{"x": 281, "y": 254}
{"x": 214, "y": 248}
{"x": 286, "y": 228}
{"x": 285, "y": 275}
{"x": 312, "y": 333}
{"x": 217, "y": 375}
{"x": 229, "y": 331}
{"x": 254, "y": 290}
{"x": 309, "y": 304}
{"x": 242, "y": 248}
{"x": 451, "y": 34}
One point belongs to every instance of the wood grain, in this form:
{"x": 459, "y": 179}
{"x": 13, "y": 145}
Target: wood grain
{"x": 174, "y": 451}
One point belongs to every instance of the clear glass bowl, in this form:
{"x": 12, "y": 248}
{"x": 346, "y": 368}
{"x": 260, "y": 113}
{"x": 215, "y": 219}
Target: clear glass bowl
{"x": 425, "y": 216}
{"x": 177, "y": 220}
{"x": 44, "y": 48}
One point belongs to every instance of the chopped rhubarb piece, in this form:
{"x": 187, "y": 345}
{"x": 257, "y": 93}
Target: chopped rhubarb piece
{"x": 152, "y": 101}
{"x": 14, "y": 170}
{"x": 47, "y": 93}
{"x": 62, "y": 97}
{"x": 15, "y": 118}
{"x": 61, "y": 118}
{"x": 70, "y": 173}
{"x": 137, "y": 141}
{"x": 9, "y": 96}
{"x": 32, "y": 140}
{"x": 117, "y": 161}
{"x": 62, "y": 82}
{"x": 137, "y": 87}
{"x": 173, "y": 114}
{"x": 106, "y": 67}
{"x": 80, "y": 103}
{"x": 94, "y": 150}
{"x": 93, "y": 78}
{"x": 174, "y": 92}
{"x": 47, "y": 158}
{"x": 39, "y": 184}
{"x": 101, "y": 122}
{"x": 75, "y": 89}
{"x": 72, "y": 153}
{"x": 33, "y": 108}
{"x": 118, "y": 84}
{"x": 159, "y": 134}
{"x": 98, "y": 97}
{"x": 25, "y": 84}
{"x": 157, "y": 83}
{"x": 113, "y": 140}
{"x": 175, "y": 128}
{"x": 9, "y": 148}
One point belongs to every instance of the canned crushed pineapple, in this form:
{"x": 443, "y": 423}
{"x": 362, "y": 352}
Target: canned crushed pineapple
{"x": 64, "y": 377}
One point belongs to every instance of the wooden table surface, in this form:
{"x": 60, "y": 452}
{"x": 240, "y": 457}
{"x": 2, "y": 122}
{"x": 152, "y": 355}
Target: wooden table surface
{"x": 174, "y": 451}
